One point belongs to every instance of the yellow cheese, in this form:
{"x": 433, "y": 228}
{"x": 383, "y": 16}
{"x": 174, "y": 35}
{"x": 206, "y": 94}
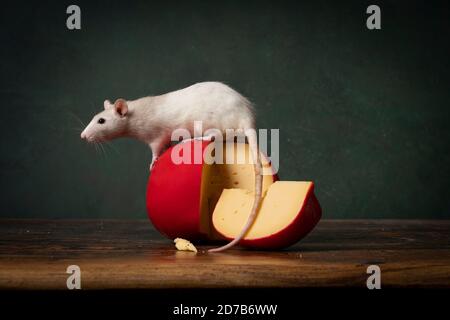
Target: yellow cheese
{"x": 236, "y": 171}
{"x": 278, "y": 209}
{"x": 184, "y": 245}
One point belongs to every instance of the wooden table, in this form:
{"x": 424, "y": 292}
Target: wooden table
{"x": 115, "y": 254}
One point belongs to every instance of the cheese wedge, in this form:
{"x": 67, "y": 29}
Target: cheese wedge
{"x": 286, "y": 208}
{"x": 193, "y": 200}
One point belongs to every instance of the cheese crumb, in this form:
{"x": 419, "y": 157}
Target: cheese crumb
{"x": 184, "y": 245}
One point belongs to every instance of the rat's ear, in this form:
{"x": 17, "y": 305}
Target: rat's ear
{"x": 107, "y": 104}
{"x": 121, "y": 107}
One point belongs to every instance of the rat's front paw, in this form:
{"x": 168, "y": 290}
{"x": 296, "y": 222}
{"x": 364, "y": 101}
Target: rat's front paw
{"x": 152, "y": 164}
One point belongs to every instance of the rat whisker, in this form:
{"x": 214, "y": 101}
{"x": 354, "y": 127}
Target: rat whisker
{"x": 72, "y": 129}
{"x": 77, "y": 118}
{"x": 96, "y": 147}
{"x": 75, "y": 128}
{"x": 109, "y": 144}
{"x": 103, "y": 149}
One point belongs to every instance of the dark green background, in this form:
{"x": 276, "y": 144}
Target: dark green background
{"x": 364, "y": 114}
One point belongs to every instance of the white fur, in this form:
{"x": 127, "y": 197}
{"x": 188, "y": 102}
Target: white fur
{"x": 152, "y": 119}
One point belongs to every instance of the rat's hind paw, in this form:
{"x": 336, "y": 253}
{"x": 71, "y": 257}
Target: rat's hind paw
{"x": 202, "y": 138}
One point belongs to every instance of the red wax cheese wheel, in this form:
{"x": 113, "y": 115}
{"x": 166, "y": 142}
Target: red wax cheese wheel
{"x": 289, "y": 211}
{"x": 181, "y": 197}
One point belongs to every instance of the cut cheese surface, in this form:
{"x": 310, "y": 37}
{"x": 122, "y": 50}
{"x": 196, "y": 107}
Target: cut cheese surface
{"x": 280, "y": 206}
{"x": 237, "y": 168}
{"x": 236, "y": 171}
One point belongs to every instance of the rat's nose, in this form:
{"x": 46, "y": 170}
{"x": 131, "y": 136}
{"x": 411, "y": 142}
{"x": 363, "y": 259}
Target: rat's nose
{"x": 83, "y": 135}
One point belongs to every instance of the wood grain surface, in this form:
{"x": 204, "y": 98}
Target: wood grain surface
{"x": 116, "y": 254}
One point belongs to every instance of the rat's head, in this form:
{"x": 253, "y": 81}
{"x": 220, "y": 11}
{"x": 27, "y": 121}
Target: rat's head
{"x": 108, "y": 124}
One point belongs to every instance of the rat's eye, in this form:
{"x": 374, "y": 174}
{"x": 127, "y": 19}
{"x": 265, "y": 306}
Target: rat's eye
{"x": 101, "y": 120}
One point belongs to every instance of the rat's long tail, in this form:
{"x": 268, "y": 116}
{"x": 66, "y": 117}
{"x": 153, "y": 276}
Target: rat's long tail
{"x": 253, "y": 143}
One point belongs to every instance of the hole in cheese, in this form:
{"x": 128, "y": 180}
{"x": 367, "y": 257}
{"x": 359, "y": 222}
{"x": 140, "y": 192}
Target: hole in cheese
{"x": 280, "y": 206}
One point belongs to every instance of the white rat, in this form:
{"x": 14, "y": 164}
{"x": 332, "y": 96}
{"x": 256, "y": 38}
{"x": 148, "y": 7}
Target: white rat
{"x": 153, "y": 119}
